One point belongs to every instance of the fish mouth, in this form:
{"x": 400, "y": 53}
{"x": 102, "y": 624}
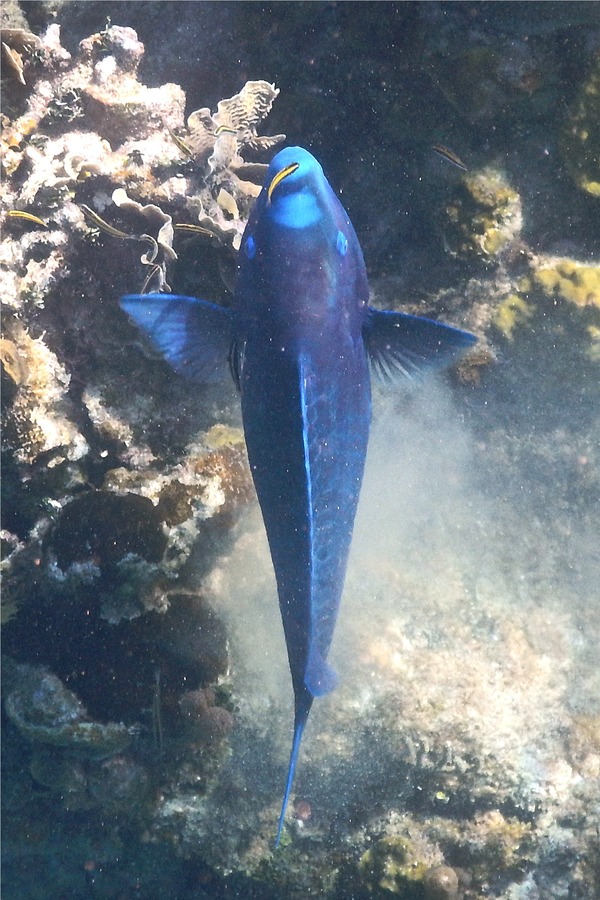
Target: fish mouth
{"x": 283, "y": 173}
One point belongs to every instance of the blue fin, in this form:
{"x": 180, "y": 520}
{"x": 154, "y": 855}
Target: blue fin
{"x": 303, "y": 705}
{"x": 320, "y": 678}
{"x": 193, "y": 336}
{"x": 402, "y": 345}
{"x": 298, "y": 732}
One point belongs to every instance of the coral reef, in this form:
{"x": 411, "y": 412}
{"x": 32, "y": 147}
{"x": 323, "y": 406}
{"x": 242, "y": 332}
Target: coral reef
{"x": 569, "y": 279}
{"x": 44, "y": 710}
{"x": 145, "y": 693}
{"x": 116, "y": 653}
{"x": 570, "y": 285}
{"x": 393, "y": 865}
{"x": 38, "y": 423}
{"x": 483, "y": 217}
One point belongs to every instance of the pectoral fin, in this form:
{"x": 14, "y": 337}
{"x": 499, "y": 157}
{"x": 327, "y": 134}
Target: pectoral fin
{"x": 193, "y": 336}
{"x": 406, "y": 346}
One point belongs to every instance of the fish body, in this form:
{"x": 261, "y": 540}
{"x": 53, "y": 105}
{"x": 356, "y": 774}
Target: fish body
{"x": 306, "y": 400}
{"x": 306, "y": 404}
{"x": 299, "y": 339}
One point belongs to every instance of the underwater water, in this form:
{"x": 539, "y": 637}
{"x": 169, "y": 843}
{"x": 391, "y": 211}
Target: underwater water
{"x": 147, "y": 701}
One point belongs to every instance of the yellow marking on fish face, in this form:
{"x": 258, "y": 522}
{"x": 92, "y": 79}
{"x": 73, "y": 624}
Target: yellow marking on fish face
{"x": 19, "y": 214}
{"x": 283, "y": 173}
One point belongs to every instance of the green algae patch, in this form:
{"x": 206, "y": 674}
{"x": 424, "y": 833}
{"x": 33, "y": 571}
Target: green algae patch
{"x": 500, "y": 844}
{"x": 220, "y": 436}
{"x": 559, "y": 281}
{"x": 392, "y": 866}
{"x": 569, "y": 279}
{"x": 483, "y": 217}
{"x": 513, "y": 311}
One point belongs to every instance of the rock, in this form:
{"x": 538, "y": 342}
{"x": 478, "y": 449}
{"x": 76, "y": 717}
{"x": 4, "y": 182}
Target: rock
{"x": 44, "y": 710}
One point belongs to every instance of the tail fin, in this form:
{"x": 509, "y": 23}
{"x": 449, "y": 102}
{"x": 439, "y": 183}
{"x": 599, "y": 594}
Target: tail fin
{"x": 302, "y": 711}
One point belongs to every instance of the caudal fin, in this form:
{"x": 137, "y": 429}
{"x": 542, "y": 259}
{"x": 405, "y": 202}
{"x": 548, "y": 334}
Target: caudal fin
{"x": 302, "y": 711}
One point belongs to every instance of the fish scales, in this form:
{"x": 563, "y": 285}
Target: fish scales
{"x": 300, "y": 337}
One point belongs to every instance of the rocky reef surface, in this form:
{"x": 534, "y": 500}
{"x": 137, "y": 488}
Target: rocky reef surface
{"x": 145, "y": 692}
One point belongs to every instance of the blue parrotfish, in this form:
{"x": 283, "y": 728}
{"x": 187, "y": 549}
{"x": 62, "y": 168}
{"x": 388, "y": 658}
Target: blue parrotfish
{"x": 300, "y": 340}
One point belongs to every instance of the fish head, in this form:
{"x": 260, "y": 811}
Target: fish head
{"x": 294, "y": 188}
{"x": 301, "y": 269}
